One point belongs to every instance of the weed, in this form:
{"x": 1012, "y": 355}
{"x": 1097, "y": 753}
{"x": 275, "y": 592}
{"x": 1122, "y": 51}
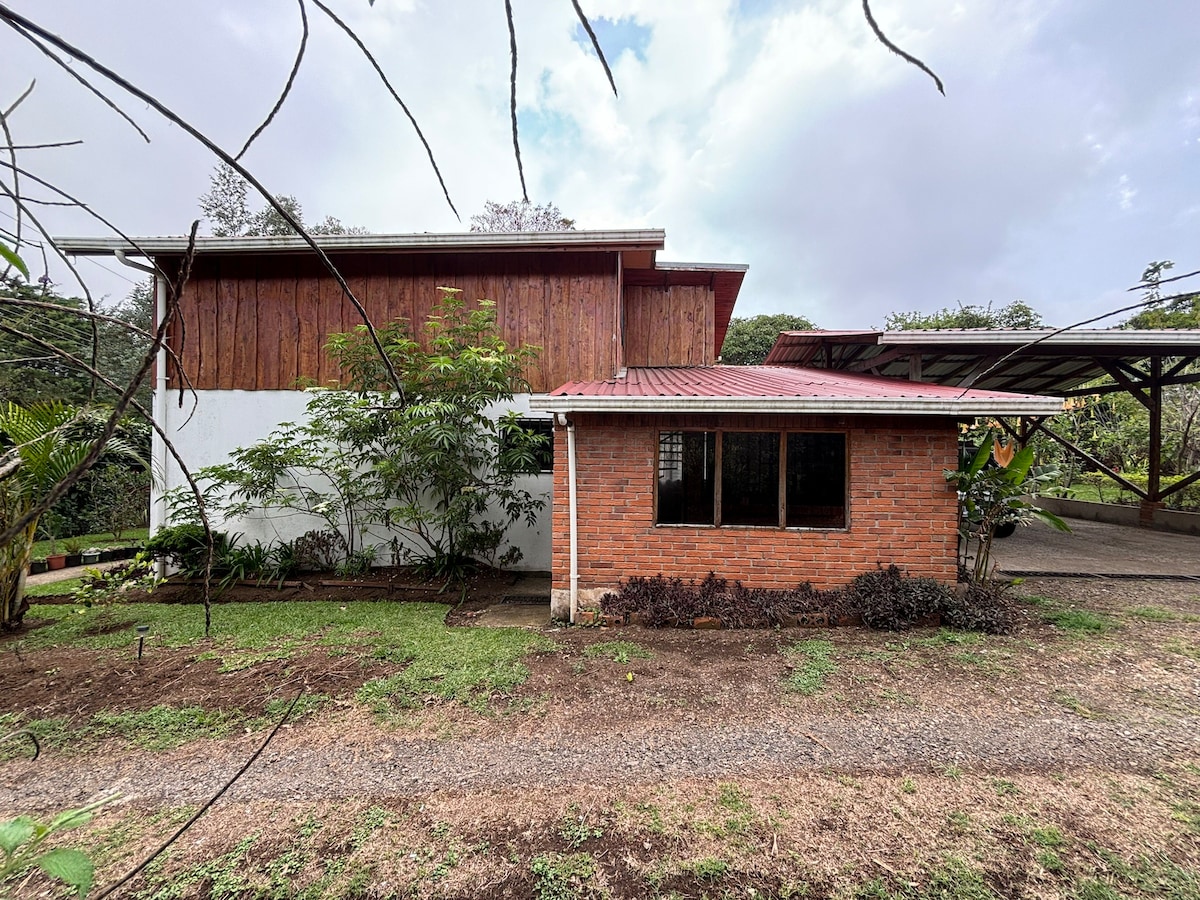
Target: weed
{"x": 164, "y": 727}
{"x": 955, "y": 880}
{"x": 1050, "y": 861}
{"x": 558, "y": 876}
{"x": 811, "y": 665}
{"x": 1079, "y": 621}
{"x": 1074, "y": 704}
{"x": 948, "y": 637}
{"x": 958, "y": 819}
{"x": 655, "y": 820}
{"x": 908, "y": 786}
{"x": 1091, "y": 889}
{"x": 618, "y": 651}
{"x": 575, "y": 830}
{"x": 368, "y": 823}
{"x": 1003, "y": 787}
{"x": 1152, "y": 614}
{"x": 709, "y": 868}
{"x": 952, "y": 772}
{"x": 1046, "y": 837}
{"x": 1182, "y": 648}
{"x": 223, "y": 877}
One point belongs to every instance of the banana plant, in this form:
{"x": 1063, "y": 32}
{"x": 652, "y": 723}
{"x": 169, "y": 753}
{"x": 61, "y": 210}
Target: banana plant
{"x": 991, "y": 495}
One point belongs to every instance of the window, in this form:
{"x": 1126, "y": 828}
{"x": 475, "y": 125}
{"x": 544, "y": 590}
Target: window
{"x": 763, "y": 478}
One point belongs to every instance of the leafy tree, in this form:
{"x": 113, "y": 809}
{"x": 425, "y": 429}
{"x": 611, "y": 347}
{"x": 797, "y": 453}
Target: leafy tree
{"x": 521, "y": 215}
{"x": 1015, "y": 315}
{"x": 43, "y": 442}
{"x": 1181, "y": 312}
{"x": 748, "y": 341}
{"x": 30, "y": 372}
{"x": 227, "y": 208}
{"x": 430, "y": 462}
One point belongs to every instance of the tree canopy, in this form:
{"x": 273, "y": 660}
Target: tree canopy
{"x": 1015, "y": 315}
{"x": 227, "y": 208}
{"x": 748, "y": 341}
{"x": 520, "y": 215}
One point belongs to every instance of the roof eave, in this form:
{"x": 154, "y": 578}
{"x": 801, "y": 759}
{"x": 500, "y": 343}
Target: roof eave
{"x": 964, "y": 408}
{"x": 641, "y": 239}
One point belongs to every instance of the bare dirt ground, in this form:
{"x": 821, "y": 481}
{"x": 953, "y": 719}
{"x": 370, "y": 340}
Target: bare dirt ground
{"x": 692, "y": 771}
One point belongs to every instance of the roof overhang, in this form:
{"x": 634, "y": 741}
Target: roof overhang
{"x": 966, "y": 408}
{"x": 1038, "y": 361}
{"x": 643, "y": 240}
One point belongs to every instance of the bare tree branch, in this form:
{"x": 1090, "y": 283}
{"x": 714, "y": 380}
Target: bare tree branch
{"x": 287, "y": 88}
{"x": 26, "y": 27}
{"x": 83, "y": 81}
{"x": 907, "y": 57}
{"x": 512, "y": 103}
{"x": 25, "y": 93}
{"x": 391, "y": 90}
{"x": 587, "y": 26}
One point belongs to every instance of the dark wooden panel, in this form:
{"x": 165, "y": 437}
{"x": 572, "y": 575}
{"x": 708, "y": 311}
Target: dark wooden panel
{"x": 310, "y": 336}
{"x": 245, "y": 352}
{"x": 668, "y": 326}
{"x": 267, "y": 361}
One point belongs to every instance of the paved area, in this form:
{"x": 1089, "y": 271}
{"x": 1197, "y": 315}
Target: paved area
{"x": 64, "y": 574}
{"x": 1097, "y": 548}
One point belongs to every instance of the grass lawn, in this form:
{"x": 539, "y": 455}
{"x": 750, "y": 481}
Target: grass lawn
{"x": 128, "y": 538}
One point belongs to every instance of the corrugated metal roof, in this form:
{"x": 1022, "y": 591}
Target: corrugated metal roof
{"x": 1044, "y": 361}
{"x": 783, "y": 389}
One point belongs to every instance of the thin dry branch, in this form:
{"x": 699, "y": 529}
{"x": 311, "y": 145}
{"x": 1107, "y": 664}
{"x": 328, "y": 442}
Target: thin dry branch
{"x": 391, "y": 90}
{"x": 27, "y": 28}
{"x": 512, "y": 102}
{"x": 287, "y": 88}
{"x": 907, "y": 57}
{"x": 66, "y": 67}
{"x": 587, "y": 26}
{"x": 12, "y": 154}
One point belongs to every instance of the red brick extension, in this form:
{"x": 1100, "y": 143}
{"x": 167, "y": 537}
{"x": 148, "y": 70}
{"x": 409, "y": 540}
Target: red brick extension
{"x": 901, "y": 510}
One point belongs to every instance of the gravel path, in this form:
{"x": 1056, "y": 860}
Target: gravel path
{"x": 297, "y": 768}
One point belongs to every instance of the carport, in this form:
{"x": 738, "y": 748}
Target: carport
{"x": 1036, "y": 361}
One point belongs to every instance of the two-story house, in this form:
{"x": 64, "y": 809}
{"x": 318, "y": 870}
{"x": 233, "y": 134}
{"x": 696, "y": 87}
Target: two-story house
{"x": 664, "y": 460}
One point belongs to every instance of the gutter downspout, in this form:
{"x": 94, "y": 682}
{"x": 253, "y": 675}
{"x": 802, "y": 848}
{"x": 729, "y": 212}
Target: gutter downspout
{"x": 573, "y": 513}
{"x": 158, "y": 449}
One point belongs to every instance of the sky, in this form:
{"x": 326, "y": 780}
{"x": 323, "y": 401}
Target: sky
{"x": 1064, "y": 157}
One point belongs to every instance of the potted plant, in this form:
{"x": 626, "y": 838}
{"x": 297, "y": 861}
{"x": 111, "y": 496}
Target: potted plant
{"x": 90, "y": 556}
{"x": 74, "y": 548}
{"x": 108, "y": 555}
{"x": 37, "y": 565}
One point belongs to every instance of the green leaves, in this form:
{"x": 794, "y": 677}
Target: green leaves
{"x": 10, "y": 257}
{"x": 69, "y": 866}
{"x": 14, "y": 833}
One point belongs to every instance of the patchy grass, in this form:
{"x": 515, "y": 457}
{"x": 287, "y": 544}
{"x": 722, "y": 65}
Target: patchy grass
{"x": 811, "y": 663}
{"x": 1079, "y": 621}
{"x": 617, "y": 651}
{"x": 54, "y": 588}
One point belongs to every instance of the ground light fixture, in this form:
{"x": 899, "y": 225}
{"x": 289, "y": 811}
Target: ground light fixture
{"x": 142, "y": 631}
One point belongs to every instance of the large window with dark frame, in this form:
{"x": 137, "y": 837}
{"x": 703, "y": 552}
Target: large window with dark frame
{"x": 788, "y": 479}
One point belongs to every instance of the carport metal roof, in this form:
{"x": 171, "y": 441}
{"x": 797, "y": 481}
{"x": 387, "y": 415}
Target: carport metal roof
{"x": 1033, "y": 361}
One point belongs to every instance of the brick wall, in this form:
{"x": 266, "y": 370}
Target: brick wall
{"x": 900, "y": 509}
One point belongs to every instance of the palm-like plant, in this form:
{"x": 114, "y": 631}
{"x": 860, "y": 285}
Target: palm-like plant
{"x": 42, "y": 444}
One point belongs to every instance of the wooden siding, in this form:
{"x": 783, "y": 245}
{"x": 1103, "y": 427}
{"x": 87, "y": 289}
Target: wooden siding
{"x": 669, "y": 325}
{"x": 260, "y": 323}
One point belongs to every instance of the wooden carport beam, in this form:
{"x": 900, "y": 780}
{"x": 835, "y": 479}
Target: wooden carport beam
{"x": 1030, "y": 426}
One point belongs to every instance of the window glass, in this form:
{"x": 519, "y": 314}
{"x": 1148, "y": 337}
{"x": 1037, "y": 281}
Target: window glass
{"x": 686, "y": 477}
{"x": 750, "y": 478}
{"x": 816, "y": 480}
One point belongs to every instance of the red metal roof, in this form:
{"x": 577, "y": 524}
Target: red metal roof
{"x": 766, "y": 381}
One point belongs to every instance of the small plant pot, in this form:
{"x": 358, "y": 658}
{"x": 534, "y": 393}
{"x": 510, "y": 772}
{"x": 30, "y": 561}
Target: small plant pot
{"x": 37, "y": 566}
{"x": 73, "y": 560}
{"x": 108, "y": 555}
{"x": 89, "y": 559}
{"x": 56, "y": 561}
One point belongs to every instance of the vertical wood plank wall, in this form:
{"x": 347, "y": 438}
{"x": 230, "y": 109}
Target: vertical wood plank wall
{"x": 260, "y": 323}
{"x": 669, "y": 326}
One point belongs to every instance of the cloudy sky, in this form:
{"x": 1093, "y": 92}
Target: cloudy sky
{"x": 1065, "y": 156}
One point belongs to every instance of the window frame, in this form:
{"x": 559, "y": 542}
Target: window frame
{"x": 781, "y": 488}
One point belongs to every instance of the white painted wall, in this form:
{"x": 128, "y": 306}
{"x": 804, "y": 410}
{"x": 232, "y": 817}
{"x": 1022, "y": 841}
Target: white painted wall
{"x": 211, "y": 424}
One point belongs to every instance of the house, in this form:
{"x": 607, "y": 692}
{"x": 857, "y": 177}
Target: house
{"x": 664, "y": 460}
